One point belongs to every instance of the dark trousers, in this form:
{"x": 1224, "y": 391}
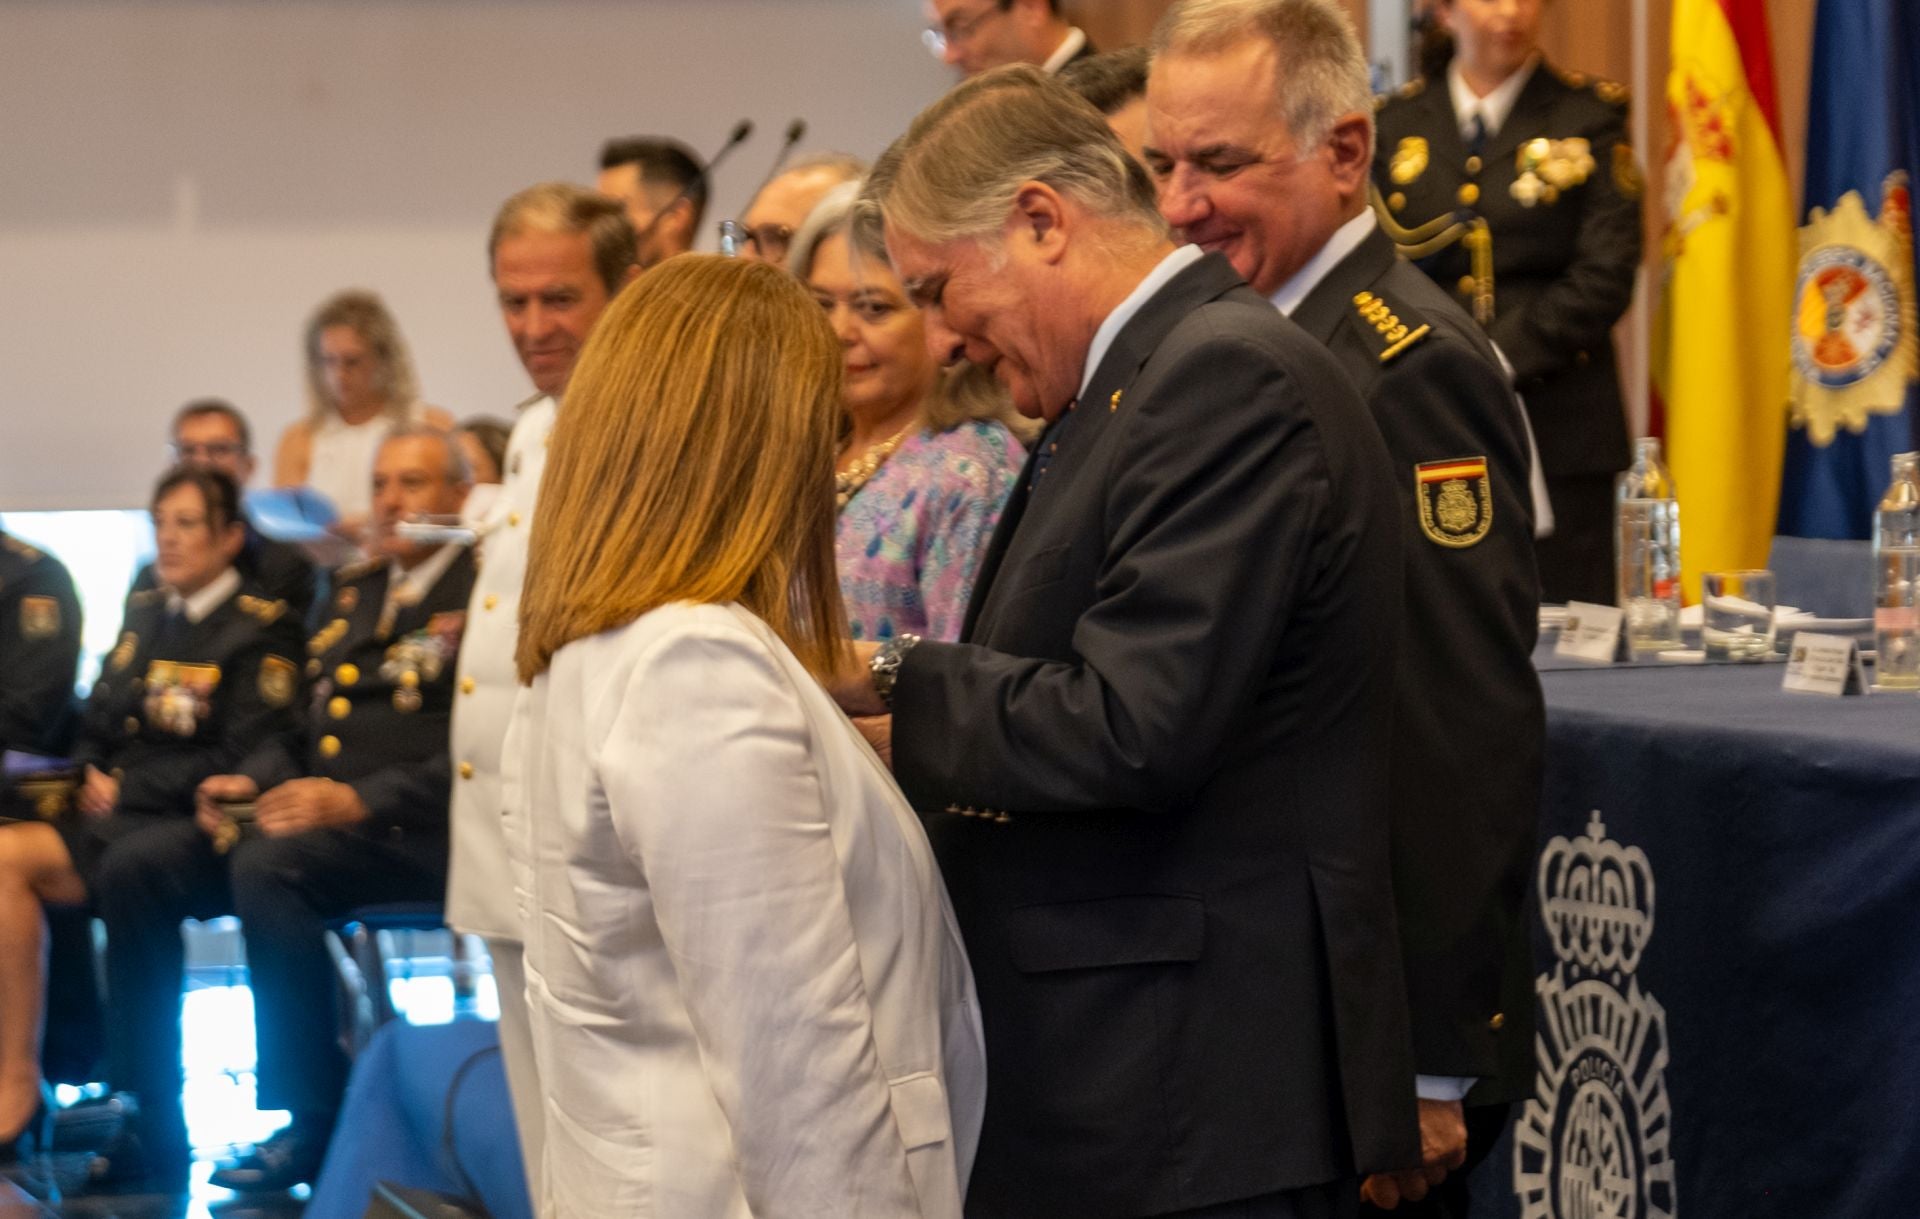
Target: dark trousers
{"x": 1337, "y": 1200}
{"x": 1576, "y": 563}
{"x": 284, "y": 890}
{"x": 1451, "y": 1199}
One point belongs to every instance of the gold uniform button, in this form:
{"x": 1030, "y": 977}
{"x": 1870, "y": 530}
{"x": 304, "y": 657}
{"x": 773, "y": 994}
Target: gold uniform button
{"x": 1498, "y": 1022}
{"x": 490, "y": 602}
{"x": 132, "y": 724}
{"x": 513, "y": 519}
{"x": 1466, "y": 285}
{"x": 1473, "y": 165}
{"x": 338, "y": 708}
{"x": 329, "y": 746}
{"x": 347, "y": 675}
{"x": 1396, "y": 201}
{"x": 466, "y": 770}
{"x": 466, "y": 685}
{"x": 409, "y": 679}
{"x": 313, "y": 667}
{"x": 1469, "y": 194}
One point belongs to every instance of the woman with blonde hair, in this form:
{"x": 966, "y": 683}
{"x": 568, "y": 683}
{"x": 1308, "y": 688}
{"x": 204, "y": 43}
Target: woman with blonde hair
{"x": 748, "y": 995}
{"x": 360, "y": 385}
{"x": 927, "y": 455}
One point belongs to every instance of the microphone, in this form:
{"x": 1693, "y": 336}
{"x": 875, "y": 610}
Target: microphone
{"x": 741, "y": 131}
{"x": 796, "y": 131}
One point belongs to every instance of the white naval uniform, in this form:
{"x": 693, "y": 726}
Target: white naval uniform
{"x": 480, "y": 897}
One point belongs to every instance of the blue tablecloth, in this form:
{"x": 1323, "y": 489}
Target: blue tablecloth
{"x": 1729, "y": 1005}
{"x": 392, "y": 1125}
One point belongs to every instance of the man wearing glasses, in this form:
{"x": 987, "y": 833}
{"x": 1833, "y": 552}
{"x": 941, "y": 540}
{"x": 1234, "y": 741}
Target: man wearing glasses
{"x": 764, "y": 231}
{"x": 213, "y": 434}
{"x": 975, "y": 36}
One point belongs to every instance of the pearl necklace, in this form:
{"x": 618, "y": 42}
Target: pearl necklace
{"x": 847, "y": 483}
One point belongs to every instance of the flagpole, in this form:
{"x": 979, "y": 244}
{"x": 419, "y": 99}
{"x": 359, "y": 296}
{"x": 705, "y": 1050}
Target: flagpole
{"x": 1640, "y": 318}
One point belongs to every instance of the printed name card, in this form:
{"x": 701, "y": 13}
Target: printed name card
{"x": 1825, "y": 664}
{"x": 1591, "y": 633}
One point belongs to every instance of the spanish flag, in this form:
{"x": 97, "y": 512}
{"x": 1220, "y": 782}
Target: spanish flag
{"x": 1720, "y": 359}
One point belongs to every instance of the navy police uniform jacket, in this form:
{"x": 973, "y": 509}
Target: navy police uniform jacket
{"x": 39, "y": 646}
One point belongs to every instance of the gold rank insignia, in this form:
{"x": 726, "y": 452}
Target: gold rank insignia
{"x": 263, "y": 610}
{"x": 276, "y": 681}
{"x": 1455, "y": 499}
{"x": 123, "y": 651}
{"x": 1611, "y": 92}
{"x": 1409, "y": 160}
{"x": 1386, "y": 323}
{"x": 39, "y": 618}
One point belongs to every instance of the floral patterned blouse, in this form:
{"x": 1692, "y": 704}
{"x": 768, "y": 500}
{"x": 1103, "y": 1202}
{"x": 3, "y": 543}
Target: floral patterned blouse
{"x": 909, "y": 542}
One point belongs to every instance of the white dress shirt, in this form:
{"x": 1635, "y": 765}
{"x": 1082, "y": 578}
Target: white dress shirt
{"x": 1110, "y": 329}
{"x": 212, "y": 597}
{"x": 1492, "y": 109}
{"x": 479, "y": 886}
{"x": 749, "y": 996}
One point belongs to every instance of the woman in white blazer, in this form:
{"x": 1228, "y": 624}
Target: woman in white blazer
{"x": 748, "y": 994}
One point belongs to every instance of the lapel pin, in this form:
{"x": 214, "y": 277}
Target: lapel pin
{"x": 1113, "y": 403}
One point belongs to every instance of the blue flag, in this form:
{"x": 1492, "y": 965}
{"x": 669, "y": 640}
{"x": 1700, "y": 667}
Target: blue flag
{"x": 1856, "y": 354}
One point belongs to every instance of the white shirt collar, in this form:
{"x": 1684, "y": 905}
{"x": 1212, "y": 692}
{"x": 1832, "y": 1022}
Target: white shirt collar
{"x": 1156, "y": 279}
{"x": 1494, "y": 108}
{"x": 1068, "y": 48}
{"x": 208, "y": 599}
{"x": 408, "y": 587}
{"x": 1345, "y": 240}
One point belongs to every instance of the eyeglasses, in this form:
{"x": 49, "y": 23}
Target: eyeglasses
{"x": 219, "y": 451}
{"x": 956, "y": 30}
{"x": 769, "y": 241}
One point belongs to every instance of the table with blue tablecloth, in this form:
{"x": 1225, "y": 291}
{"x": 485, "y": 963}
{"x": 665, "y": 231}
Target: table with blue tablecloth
{"x": 393, "y": 1124}
{"x": 1727, "y": 945}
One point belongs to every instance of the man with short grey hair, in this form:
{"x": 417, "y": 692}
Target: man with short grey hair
{"x": 1164, "y": 834}
{"x": 1260, "y": 138}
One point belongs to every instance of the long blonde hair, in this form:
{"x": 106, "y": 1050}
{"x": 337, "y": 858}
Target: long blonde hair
{"x": 693, "y": 461}
{"x": 366, "y": 315}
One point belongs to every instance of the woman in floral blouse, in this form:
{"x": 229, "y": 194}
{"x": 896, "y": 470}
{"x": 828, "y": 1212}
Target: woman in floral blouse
{"x": 927, "y": 456}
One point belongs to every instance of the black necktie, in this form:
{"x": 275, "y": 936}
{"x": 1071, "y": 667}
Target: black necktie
{"x": 1477, "y": 136}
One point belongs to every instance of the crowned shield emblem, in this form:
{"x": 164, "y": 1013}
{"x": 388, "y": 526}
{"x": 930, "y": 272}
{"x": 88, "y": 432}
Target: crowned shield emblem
{"x": 1455, "y": 500}
{"x": 39, "y": 618}
{"x": 1409, "y": 160}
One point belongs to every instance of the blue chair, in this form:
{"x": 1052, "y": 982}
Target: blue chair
{"x": 1829, "y": 578}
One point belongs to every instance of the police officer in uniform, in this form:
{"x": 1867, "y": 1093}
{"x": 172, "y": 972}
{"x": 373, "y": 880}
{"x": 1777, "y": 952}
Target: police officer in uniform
{"x": 39, "y": 646}
{"x": 346, "y": 809}
{"x": 203, "y": 671}
{"x": 1513, "y": 185}
{"x": 1469, "y": 721}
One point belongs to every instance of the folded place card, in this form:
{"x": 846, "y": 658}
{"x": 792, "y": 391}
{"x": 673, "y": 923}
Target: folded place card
{"x": 1591, "y": 633}
{"x": 1825, "y": 664}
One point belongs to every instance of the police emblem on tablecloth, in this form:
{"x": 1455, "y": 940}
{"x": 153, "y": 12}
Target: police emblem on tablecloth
{"x": 1595, "y": 1141}
{"x": 39, "y": 618}
{"x": 1455, "y": 499}
{"x": 1854, "y": 350}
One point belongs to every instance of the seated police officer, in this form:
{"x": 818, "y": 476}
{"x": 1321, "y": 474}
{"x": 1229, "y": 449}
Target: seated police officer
{"x": 348, "y": 808}
{"x": 39, "y": 648}
{"x": 213, "y": 434}
{"x": 204, "y": 671}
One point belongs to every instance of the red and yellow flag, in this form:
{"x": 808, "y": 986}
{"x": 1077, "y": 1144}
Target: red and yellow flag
{"x": 1721, "y": 357}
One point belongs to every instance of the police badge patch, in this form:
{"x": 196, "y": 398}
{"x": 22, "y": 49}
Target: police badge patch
{"x": 1455, "y": 499}
{"x": 39, "y": 618}
{"x": 276, "y": 681}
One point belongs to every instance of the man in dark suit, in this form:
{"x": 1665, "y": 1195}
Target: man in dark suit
{"x": 348, "y": 809}
{"x": 213, "y": 433}
{"x": 1158, "y": 743}
{"x": 1278, "y": 89}
{"x": 978, "y": 35}
{"x": 1514, "y": 185}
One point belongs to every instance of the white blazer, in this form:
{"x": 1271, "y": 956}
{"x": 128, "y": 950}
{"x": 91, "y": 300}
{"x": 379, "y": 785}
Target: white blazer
{"x": 748, "y": 993}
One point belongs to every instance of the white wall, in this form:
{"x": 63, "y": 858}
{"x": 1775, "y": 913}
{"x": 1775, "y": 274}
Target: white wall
{"x": 182, "y": 181}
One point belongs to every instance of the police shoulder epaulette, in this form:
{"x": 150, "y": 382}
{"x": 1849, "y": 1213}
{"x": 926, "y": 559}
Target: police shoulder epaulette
{"x": 146, "y": 597}
{"x": 1612, "y": 92}
{"x": 1570, "y": 78}
{"x": 264, "y": 610}
{"x": 357, "y": 570}
{"x": 1398, "y": 328}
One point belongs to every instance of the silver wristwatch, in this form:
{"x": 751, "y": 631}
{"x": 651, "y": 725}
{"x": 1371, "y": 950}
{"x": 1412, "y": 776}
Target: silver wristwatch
{"x": 885, "y": 665}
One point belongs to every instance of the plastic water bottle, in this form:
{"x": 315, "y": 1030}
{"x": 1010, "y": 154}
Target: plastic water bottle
{"x": 1646, "y": 519}
{"x": 1896, "y": 579}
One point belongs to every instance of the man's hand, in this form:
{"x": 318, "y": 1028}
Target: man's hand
{"x": 852, "y": 687}
{"x": 878, "y": 729}
{"x": 214, "y": 791}
{"x": 99, "y": 794}
{"x": 299, "y": 805}
{"x": 1443, "y": 1148}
